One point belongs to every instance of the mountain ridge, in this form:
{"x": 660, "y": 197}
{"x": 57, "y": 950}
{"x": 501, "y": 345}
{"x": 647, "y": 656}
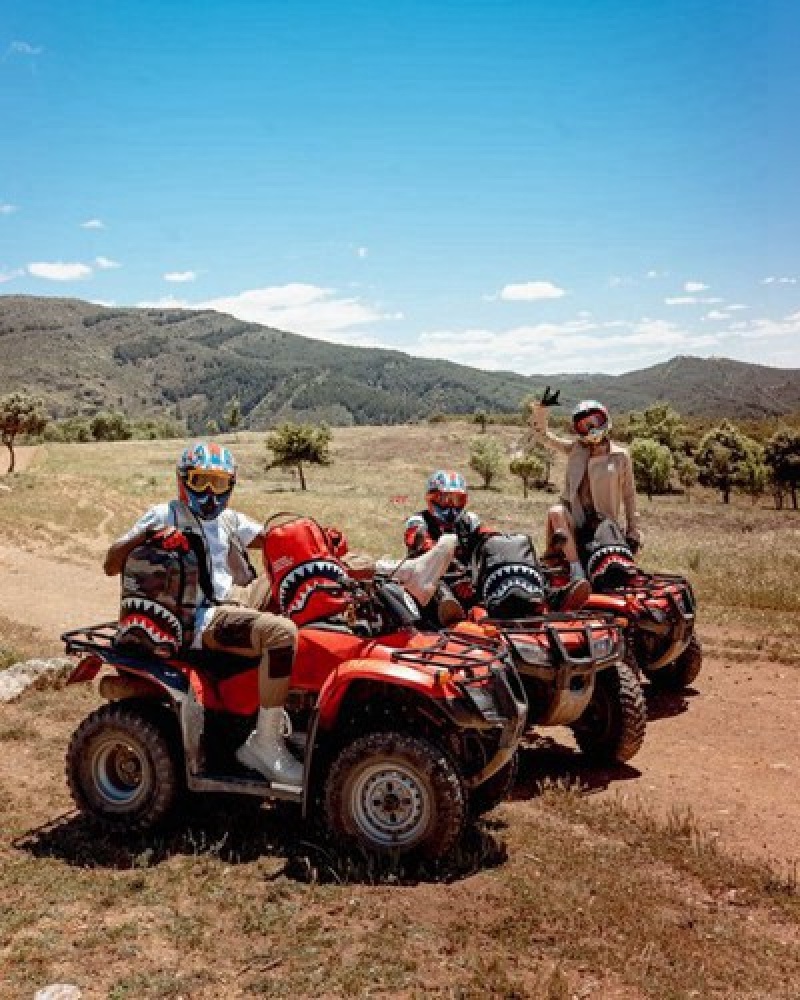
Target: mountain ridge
{"x": 82, "y": 357}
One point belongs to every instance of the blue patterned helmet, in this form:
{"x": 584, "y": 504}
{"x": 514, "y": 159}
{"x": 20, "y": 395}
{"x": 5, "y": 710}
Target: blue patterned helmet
{"x": 447, "y": 496}
{"x": 206, "y": 477}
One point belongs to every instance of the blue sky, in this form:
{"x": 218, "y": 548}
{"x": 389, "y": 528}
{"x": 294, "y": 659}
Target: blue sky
{"x": 574, "y": 186}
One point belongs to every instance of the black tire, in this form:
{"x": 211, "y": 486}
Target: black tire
{"x": 681, "y": 672}
{"x": 390, "y": 792}
{"x": 611, "y": 729}
{"x": 497, "y": 789}
{"x": 122, "y": 769}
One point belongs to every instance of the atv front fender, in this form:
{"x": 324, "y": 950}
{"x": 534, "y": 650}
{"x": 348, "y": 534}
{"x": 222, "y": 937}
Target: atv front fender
{"x": 338, "y": 683}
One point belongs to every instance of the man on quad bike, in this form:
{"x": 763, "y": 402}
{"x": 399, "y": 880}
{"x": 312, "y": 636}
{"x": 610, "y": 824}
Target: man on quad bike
{"x": 446, "y": 514}
{"x": 586, "y": 526}
{"x": 233, "y": 617}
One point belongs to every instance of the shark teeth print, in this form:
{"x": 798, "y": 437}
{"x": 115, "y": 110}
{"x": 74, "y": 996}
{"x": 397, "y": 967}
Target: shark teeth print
{"x": 503, "y": 579}
{"x": 154, "y": 619}
{"x": 610, "y": 553}
{"x": 297, "y": 586}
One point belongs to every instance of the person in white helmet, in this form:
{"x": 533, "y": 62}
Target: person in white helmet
{"x": 599, "y": 487}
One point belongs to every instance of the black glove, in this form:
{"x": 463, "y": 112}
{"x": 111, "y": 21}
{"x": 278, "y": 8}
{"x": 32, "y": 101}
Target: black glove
{"x": 550, "y": 398}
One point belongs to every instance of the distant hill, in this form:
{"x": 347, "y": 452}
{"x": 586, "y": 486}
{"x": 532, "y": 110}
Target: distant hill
{"x": 82, "y": 357}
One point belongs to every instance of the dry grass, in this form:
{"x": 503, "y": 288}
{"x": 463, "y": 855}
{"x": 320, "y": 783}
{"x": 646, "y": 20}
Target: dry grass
{"x": 555, "y": 897}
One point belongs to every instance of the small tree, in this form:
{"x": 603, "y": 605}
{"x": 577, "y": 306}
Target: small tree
{"x": 481, "y": 418}
{"x": 658, "y": 423}
{"x": 752, "y": 474}
{"x": 212, "y": 426}
{"x": 233, "y": 413}
{"x": 652, "y": 465}
{"x": 486, "y": 458}
{"x": 293, "y": 444}
{"x": 20, "y": 413}
{"x": 720, "y": 454}
{"x": 687, "y": 474}
{"x": 529, "y": 467}
{"x": 111, "y": 427}
{"x": 782, "y": 455}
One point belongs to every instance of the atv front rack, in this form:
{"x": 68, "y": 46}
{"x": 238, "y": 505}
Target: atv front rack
{"x": 601, "y": 652}
{"x": 470, "y": 656}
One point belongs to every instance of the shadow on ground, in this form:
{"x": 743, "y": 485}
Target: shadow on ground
{"x": 544, "y": 761}
{"x": 666, "y": 704}
{"x": 239, "y": 833}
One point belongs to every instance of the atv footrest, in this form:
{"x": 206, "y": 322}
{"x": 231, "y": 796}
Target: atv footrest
{"x": 230, "y": 784}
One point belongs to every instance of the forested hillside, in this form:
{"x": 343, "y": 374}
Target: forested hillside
{"x": 82, "y": 357}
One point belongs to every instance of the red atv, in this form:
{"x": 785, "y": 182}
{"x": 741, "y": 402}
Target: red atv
{"x": 572, "y": 669}
{"x": 402, "y": 734}
{"x": 657, "y": 613}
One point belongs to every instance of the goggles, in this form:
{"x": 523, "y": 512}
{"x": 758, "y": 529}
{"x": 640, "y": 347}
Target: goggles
{"x": 454, "y": 500}
{"x": 215, "y": 480}
{"x": 591, "y": 422}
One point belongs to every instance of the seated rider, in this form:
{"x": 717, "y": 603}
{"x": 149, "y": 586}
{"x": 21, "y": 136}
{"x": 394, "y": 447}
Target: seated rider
{"x": 446, "y": 514}
{"x": 599, "y": 482}
{"x": 238, "y": 622}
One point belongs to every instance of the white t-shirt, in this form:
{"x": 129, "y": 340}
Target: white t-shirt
{"x": 217, "y": 541}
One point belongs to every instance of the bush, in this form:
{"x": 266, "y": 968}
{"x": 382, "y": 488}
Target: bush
{"x": 111, "y": 427}
{"x": 652, "y": 465}
{"x": 486, "y": 458}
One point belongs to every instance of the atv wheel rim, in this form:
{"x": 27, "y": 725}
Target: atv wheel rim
{"x": 121, "y": 773}
{"x": 391, "y": 806}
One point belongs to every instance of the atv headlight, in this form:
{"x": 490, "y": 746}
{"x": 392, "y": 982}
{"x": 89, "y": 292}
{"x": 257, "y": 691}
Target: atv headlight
{"x": 603, "y": 647}
{"x": 483, "y": 699}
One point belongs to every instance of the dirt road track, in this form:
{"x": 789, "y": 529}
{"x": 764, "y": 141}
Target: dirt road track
{"x": 729, "y": 751}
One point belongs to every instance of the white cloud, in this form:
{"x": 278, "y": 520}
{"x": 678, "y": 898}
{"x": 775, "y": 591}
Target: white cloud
{"x": 180, "y": 277}
{"x": 575, "y": 345}
{"x": 362, "y": 252}
{"x": 772, "y": 280}
{"x": 717, "y": 314}
{"x": 6, "y": 209}
{"x": 297, "y": 307}
{"x": 692, "y": 300}
{"x": 736, "y": 307}
{"x": 531, "y": 291}
{"x": 93, "y": 224}
{"x": 59, "y": 271}
{"x": 694, "y": 286}
{"x": 6, "y": 276}
{"x": 106, "y": 264}
{"x": 25, "y": 49}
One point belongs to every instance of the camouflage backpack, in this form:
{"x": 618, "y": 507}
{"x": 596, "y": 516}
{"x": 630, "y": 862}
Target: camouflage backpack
{"x": 161, "y": 590}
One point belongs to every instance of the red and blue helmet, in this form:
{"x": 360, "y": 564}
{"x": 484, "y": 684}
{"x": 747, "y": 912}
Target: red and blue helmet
{"x": 591, "y": 421}
{"x": 447, "y": 496}
{"x": 206, "y": 477}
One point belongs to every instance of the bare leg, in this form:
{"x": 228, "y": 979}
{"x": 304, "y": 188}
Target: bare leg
{"x": 560, "y": 519}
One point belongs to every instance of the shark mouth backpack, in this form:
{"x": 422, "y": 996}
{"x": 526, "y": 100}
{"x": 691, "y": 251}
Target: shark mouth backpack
{"x": 609, "y": 560}
{"x": 307, "y": 575}
{"x": 508, "y": 580}
{"x": 160, "y": 593}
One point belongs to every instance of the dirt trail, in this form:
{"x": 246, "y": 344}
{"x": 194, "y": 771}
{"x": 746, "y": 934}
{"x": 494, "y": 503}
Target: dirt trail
{"x": 729, "y": 751}
{"x": 24, "y": 456}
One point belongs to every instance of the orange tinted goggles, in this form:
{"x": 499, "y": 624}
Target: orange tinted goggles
{"x": 452, "y": 499}
{"x": 589, "y": 423}
{"x": 216, "y": 480}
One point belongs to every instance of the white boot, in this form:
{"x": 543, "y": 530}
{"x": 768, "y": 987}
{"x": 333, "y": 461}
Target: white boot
{"x": 265, "y": 750}
{"x": 419, "y": 576}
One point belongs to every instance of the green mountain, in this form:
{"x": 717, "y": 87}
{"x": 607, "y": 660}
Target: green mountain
{"x": 82, "y": 357}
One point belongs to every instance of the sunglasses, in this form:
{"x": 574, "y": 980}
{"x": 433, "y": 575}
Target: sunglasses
{"x": 217, "y": 481}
